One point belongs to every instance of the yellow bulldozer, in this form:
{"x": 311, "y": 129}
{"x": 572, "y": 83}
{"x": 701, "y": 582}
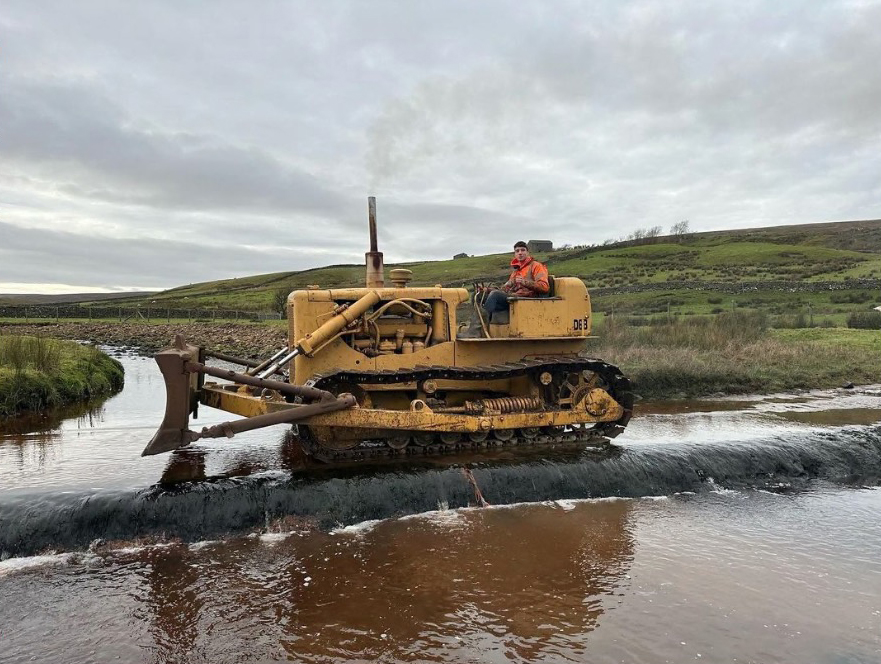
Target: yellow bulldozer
{"x": 387, "y": 370}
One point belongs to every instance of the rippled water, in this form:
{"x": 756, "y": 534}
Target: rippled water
{"x": 735, "y": 577}
{"x": 743, "y": 530}
{"x": 100, "y": 448}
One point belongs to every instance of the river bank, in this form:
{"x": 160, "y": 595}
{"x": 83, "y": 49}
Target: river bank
{"x": 37, "y": 373}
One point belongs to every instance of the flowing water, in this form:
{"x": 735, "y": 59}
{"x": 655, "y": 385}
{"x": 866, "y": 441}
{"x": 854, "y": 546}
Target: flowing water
{"x": 737, "y": 530}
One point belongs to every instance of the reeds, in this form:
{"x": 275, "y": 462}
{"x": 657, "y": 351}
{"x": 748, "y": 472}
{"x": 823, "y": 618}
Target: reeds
{"x": 718, "y": 332}
{"x": 865, "y": 320}
{"x": 20, "y": 353}
{"x": 39, "y": 372}
{"x": 728, "y": 354}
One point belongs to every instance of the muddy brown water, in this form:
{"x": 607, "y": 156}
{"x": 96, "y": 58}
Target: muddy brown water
{"x": 735, "y": 530}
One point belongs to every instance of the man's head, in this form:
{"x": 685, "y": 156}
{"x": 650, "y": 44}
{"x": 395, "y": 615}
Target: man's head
{"x": 521, "y": 251}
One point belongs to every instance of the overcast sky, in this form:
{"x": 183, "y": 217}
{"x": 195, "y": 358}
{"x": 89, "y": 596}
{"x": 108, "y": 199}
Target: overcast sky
{"x": 154, "y": 144}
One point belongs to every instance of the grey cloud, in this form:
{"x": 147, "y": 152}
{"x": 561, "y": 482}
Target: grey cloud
{"x": 46, "y": 256}
{"x": 685, "y": 67}
{"x": 662, "y": 111}
{"x": 73, "y": 130}
{"x": 718, "y": 58}
{"x": 414, "y": 231}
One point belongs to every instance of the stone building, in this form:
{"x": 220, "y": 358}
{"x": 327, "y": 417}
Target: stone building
{"x": 539, "y": 245}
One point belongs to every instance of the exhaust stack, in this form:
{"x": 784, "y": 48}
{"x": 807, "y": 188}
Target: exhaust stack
{"x": 373, "y": 258}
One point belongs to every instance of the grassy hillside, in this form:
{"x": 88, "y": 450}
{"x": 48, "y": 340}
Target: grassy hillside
{"x": 67, "y": 298}
{"x": 256, "y": 293}
{"x": 811, "y": 253}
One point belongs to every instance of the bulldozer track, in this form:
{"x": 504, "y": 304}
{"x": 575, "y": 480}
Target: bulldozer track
{"x": 616, "y": 384}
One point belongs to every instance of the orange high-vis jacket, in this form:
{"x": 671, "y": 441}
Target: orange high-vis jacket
{"x": 533, "y": 271}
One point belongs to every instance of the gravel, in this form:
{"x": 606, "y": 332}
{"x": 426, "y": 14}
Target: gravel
{"x": 244, "y": 340}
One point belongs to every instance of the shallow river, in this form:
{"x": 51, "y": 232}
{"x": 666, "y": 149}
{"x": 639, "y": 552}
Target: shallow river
{"x": 738, "y": 530}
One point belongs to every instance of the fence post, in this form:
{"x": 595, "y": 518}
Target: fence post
{"x": 56, "y": 314}
{"x": 168, "y": 315}
{"x": 190, "y": 316}
{"x": 120, "y": 314}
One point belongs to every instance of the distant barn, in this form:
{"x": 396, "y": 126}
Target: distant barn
{"x": 539, "y": 245}
{"x": 462, "y": 255}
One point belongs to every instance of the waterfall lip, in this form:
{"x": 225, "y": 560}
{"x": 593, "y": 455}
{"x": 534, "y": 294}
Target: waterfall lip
{"x": 35, "y": 522}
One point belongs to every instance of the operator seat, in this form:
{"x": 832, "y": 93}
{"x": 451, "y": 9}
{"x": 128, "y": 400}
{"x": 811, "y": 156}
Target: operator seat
{"x": 504, "y": 317}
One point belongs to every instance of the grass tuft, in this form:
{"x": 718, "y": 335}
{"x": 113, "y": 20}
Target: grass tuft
{"x": 38, "y": 373}
{"x": 21, "y": 353}
{"x": 865, "y": 320}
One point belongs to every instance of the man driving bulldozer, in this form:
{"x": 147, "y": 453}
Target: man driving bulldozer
{"x": 529, "y": 278}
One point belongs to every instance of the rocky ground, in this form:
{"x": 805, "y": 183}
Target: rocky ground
{"x": 243, "y": 340}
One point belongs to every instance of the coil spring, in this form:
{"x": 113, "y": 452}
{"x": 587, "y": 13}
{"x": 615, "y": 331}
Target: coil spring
{"x": 503, "y": 405}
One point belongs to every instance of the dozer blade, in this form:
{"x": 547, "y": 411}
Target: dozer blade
{"x": 181, "y": 397}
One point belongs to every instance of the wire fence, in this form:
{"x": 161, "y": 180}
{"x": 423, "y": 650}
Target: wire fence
{"x": 131, "y": 314}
